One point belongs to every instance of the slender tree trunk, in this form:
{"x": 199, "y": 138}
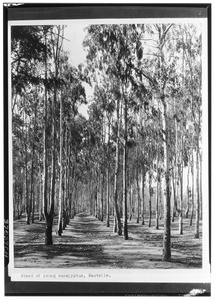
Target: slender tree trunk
{"x": 27, "y": 206}
{"x": 181, "y": 202}
{"x": 108, "y": 179}
{"x": 67, "y": 178}
{"x": 49, "y": 216}
{"x": 200, "y": 186}
{"x": 48, "y": 232}
{"x": 102, "y": 197}
{"x": 33, "y": 207}
{"x": 181, "y": 189}
{"x": 40, "y": 195}
{"x": 192, "y": 201}
{"x": 157, "y": 193}
{"x": 175, "y": 168}
{"x": 131, "y": 202}
{"x": 64, "y": 202}
{"x": 174, "y": 198}
{"x": 53, "y": 166}
{"x": 143, "y": 195}
{"x": 197, "y": 193}
{"x": 26, "y": 189}
{"x": 31, "y": 204}
{"x": 59, "y": 227}
{"x": 160, "y": 199}
{"x": 65, "y": 211}
{"x": 117, "y": 223}
{"x": 188, "y": 192}
{"x": 96, "y": 208}
{"x": 69, "y": 185}
{"x": 125, "y": 218}
{"x": 108, "y": 197}
{"x": 167, "y": 206}
{"x": 75, "y": 197}
{"x": 150, "y": 198}
{"x": 138, "y": 196}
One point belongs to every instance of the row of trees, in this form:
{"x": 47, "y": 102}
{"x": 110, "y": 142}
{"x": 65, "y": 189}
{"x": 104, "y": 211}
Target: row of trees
{"x": 142, "y": 136}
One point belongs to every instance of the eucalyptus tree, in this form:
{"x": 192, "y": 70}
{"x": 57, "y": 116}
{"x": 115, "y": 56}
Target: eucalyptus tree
{"x": 116, "y": 45}
{"x": 27, "y": 56}
{"x": 159, "y": 80}
{"x": 72, "y": 94}
{"x": 27, "y": 51}
{"x": 190, "y": 43}
{"x": 54, "y": 37}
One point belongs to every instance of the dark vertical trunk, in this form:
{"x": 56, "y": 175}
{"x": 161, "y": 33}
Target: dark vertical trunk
{"x": 167, "y": 206}
{"x": 143, "y": 195}
{"x": 64, "y": 202}
{"x": 174, "y": 197}
{"x": 175, "y": 168}
{"x": 108, "y": 197}
{"x": 188, "y": 192}
{"x": 138, "y": 195}
{"x": 197, "y": 193}
{"x": 157, "y": 193}
{"x": 200, "y": 187}
{"x": 33, "y": 208}
{"x": 26, "y": 189}
{"x": 131, "y": 201}
{"x": 150, "y": 199}
{"x": 59, "y": 226}
{"x": 31, "y": 204}
{"x": 181, "y": 202}
{"x": 101, "y": 197}
{"x": 108, "y": 179}
{"x": 48, "y": 232}
{"x": 49, "y": 216}
{"x": 26, "y": 171}
{"x": 72, "y": 189}
{"x": 125, "y": 218}
{"x": 68, "y": 184}
{"x": 56, "y": 51}
{"x": 98, "y": 195}
{"x": 65, "y": 212}
{"x": 117, "y": 223}
{"x": 160, "y": 199}
{"x": 40, "y": 195}
{"x": 96, "y": 208}
{"x": 192, "y": 199}
{"x": 181, "y": 190}
{"x": 75, "y": 197}
{"x": 53, "y": 162}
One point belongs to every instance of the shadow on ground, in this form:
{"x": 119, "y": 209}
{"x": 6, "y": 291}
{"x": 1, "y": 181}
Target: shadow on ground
{"x": 88, "y": 243}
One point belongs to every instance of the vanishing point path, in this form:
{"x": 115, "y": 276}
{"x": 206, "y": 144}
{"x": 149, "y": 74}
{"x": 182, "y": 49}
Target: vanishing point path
{"x": 88, "y": 243}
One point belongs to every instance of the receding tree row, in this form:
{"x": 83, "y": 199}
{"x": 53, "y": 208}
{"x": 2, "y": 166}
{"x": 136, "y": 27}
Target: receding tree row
{"x": 137, "y": 155}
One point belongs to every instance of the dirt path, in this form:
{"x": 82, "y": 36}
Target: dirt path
{"x": 88, "y": 243}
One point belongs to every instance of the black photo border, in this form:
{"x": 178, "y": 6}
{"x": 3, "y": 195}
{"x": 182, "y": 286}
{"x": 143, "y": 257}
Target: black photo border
{"x": 53, "y": 11}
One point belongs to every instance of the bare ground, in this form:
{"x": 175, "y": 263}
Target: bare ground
{"x": 88, "y": 243}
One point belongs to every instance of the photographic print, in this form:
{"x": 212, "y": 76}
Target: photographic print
{"x": 108, "y": 150}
